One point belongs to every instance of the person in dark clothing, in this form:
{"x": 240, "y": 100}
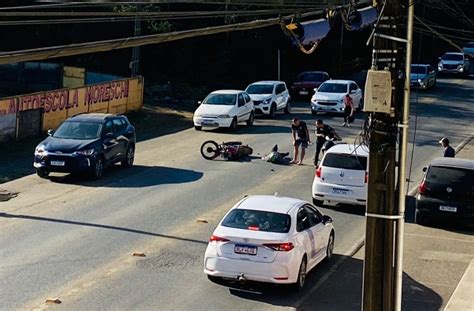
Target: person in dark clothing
{"x": 449, "y": 151}
{"x": 300, "y": 134}
{"x": 348, "y": 110}
{"x": 323, "y": 130}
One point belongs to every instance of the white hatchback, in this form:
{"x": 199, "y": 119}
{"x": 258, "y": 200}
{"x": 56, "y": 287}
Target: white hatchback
{"x": 224, "y": 108}
{"x": 329, "y": 97}
{"x": 342, "y": 176}
{"x": 269, "y": 239}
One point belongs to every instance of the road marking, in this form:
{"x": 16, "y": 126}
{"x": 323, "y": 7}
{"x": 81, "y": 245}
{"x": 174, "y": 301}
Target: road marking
{"x": 446, "y": 256}
{"x": 348, "y": 254}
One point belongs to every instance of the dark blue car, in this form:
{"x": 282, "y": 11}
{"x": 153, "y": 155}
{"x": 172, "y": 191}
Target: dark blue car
{"x": 86, "y": 143}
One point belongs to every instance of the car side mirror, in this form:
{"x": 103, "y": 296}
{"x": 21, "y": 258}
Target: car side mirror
{"x": 316, "y": 90}
{"x": 198, "y": 103}
{"x": 425, "y": 169}
{"x": 50, "y": 132}
{"x": 327, "y": 219}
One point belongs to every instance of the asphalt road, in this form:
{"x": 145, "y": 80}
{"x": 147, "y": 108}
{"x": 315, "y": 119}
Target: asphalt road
{"x": 72, "y": 239}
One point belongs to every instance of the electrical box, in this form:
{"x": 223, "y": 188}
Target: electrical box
{"x": 378, "y": 91}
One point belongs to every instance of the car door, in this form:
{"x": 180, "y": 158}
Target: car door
{"x": 111, "y": 145}
{"x": 431, "y": 76}
{"x": 122, "y": 140}
{"x": 306, "y": 235}
{"x": 318, "y": 230}
{"x": 356, "y": 94}
{"x": 244, "y": 108}
{"x": 280, "y": 94}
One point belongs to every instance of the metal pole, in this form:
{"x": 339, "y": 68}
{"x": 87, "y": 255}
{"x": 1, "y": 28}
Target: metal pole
{"x": 135, "y": 63}
{"x": 402, "y": 162}
{"x": 279, "y": 68}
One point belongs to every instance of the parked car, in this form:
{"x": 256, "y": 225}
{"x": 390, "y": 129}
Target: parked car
{"x": 422, "y": 76}
{"x": 225, "y": 108}
{"x": 269, "y": 96}
{"x": 446, "y": 191}
{"x": 469, "y": 49}
{"x": 342, "y": 176}
{"x": 269, "y": 239}
{"x": 329, "y": 97}
{"x": 307, "y": 81}
{"x": 452, "y": 62}
{"x": 86, "y": 143}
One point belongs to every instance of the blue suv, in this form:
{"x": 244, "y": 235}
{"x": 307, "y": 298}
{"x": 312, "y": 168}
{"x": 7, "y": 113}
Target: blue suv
{"x": 86, "y": 143}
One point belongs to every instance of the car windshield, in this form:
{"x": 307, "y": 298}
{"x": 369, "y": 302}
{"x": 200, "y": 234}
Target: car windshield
{"x": 452, "y": 57}
{"x": 419, "y": 69}
{"x": 345, "y": 161}
{"x": 260, "y": 89}
{"x": 220, "y": 99}
{"x": 78, "y": 130}
{"x": 310, "y": 76}
{"x": 333, "y": 88}
{"x": 258, "y": 221}
{"x": 449, "y": 175}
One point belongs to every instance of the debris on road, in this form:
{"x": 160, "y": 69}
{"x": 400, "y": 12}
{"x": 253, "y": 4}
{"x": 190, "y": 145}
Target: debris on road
{"x": 136, "y": 254}
{"x": 6, "y": 195}
{"x": 53, "y": 300}
{"x": 202, "y": 221}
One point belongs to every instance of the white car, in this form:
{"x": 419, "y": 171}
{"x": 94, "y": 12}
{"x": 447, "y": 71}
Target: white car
{"x": 269, "y": 239}
{"x": 342, "y": 176}
{"x": 269, "y": 97}
{"x": 225, "y": 108}
{"x": 329, "y": 97}
{"x": 454, "y": 62}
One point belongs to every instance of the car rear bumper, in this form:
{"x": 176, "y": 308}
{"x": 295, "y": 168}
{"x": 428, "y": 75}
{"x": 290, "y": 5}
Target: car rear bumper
{"x": 327, "y": 192}
{"x": 439, "y": 208}
{"x": 72, "y": 164}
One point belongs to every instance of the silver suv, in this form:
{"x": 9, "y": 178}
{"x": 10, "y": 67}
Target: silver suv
{"x": 269, "y": 97}
{"x": 452, "y": 62}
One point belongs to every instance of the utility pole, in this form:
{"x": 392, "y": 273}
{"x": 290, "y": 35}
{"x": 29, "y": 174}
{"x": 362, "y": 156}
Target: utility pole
{"x": 135, "y": 63}
{"x": 382, "y": 214}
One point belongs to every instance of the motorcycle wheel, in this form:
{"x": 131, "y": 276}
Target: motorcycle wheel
{"x": 210, "y": 150}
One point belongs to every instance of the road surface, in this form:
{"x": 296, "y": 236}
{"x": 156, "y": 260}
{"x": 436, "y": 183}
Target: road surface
{"x": 72, "y": 239}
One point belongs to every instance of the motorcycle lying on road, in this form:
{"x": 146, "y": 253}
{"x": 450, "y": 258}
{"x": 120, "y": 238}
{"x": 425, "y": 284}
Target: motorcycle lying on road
{"x": 232, "y": 150}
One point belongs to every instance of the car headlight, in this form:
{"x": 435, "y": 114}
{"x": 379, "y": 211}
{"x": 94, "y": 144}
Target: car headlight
{"x": 87, "y": 152}
{"x": 266, "y": 101}
{"x": 39, "y": 150}
{"x": 224, "y": 116}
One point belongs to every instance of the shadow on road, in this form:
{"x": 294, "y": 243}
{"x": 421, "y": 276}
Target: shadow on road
{"x": 138, "y": 176}
{"x": 102, "y": 226}
{"x": 341, "y": 291}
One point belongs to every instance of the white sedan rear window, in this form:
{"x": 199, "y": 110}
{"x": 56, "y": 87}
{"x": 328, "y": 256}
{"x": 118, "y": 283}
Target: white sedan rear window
{"x": 258, "y": 221}
{"x": 345, "y": 161}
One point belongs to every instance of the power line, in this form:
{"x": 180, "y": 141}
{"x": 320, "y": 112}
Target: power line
{"x": 437, "y": 33}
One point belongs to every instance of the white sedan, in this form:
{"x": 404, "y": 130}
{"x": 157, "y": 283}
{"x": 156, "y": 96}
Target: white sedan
{"x": 329, "y": 97}
{"x": 224, "y": 108}
{"x": 269, "y": 239}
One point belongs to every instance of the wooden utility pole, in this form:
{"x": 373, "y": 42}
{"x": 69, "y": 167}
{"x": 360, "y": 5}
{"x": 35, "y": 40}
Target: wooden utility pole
{"x": 137, "y": 31}
{"x": 382, "y": 214}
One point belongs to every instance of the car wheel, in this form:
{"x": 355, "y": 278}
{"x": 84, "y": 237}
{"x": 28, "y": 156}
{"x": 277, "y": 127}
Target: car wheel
{"x": 272, "y": 111}
{"x": 250, "y": 120}
{"x": 98, "y": 168}
{"x": 42, "y": 173}
{"x": 420, "y": 218}
{"x": 198, "y": 128}
{"x": 129, "y": 157}
{"x": 361, "y": 105}
{"x": 318, "y": 203}
{"x": 330, "y": 247}
{"x": 288, "y": 107}
{"x": 233, "y": 125}
{"x": 299, "y": 285}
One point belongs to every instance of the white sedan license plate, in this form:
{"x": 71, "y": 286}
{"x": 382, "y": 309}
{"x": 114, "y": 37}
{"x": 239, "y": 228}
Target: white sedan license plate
{"x": 247, "y": 250}
{"x": 451, "y": 209}
{"x": 303, "y": 92}
{"x": 57, "y": 163}
{"x": 340, "y": 191}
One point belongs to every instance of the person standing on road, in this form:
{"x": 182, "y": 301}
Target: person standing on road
{"x": 323, "y": 130}
{"x": 449, "y": 151}
{"x": 348, "y": 110}
{"x": 299, "y": 131}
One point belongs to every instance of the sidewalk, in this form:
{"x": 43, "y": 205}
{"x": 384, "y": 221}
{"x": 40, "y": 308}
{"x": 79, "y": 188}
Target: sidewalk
{"x": 438, "y": 267}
